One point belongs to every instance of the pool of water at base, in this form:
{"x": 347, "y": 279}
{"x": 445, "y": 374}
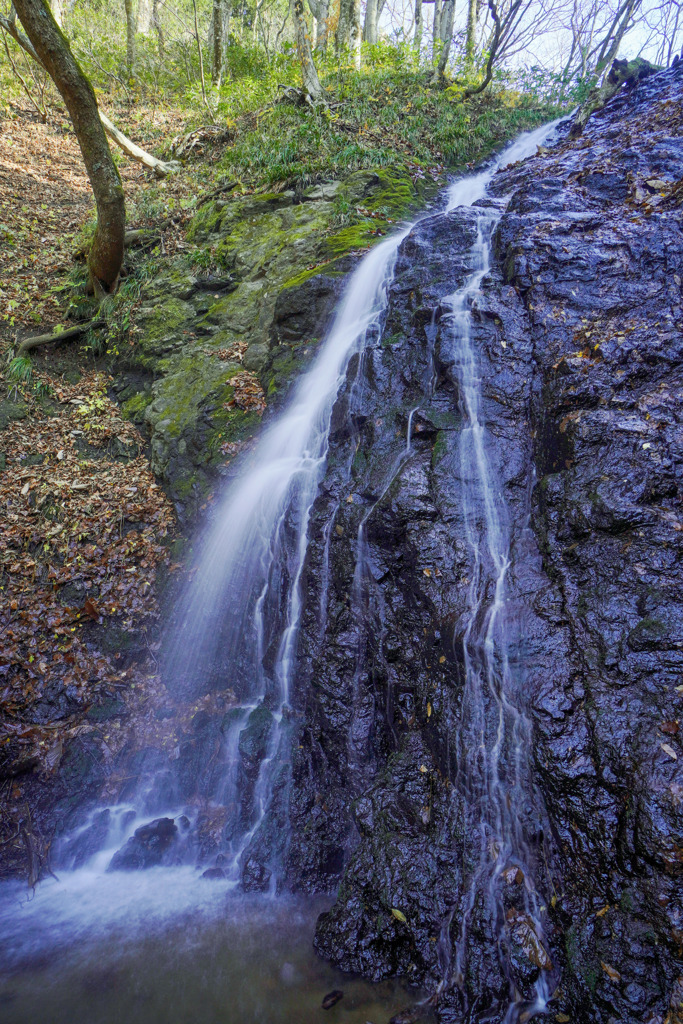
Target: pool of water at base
{"x": 155, "y": 949}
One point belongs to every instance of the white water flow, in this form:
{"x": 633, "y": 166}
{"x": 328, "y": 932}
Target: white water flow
{"x": 494, "y": 736}
{"x": 242, "y": 607}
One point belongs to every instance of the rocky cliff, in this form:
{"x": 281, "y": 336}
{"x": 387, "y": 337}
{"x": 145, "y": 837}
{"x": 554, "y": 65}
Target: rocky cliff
{"x": 578, "y": 330}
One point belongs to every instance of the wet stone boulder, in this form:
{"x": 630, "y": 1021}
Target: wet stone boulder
{"x": 150, "y": 845}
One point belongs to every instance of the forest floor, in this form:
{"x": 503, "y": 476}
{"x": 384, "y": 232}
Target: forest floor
{"x": 81, "y": 510}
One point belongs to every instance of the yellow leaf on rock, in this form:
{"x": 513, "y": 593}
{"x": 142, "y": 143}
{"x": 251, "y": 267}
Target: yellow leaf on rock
{"x": 611, "y": 973}
{"x": 399, "y": 915}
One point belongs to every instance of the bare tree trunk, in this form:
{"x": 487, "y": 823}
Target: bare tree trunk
{"x": 309, "y": 74}
{"x": 471, "y": 36}
{"x": 343, "y": 32}
{"x": 106, "y": 253}
{"x": 156, "y": 18}
{"x": 144, "y": 16}
{"x": 356, "y": 33}
{"x": 348, "y": 28}
{"x": 160, "y": 167}
{"x": 130, "y": 37}
{"x": 445, "y": 38}
{"x": 217, "y": 49}
{"x": 323, "y": 20}
{"x": 436, "y": 28}
{"x": 320, "y": 10}
{"x": 371, "y": 18}
{"x": 419, "y": 25}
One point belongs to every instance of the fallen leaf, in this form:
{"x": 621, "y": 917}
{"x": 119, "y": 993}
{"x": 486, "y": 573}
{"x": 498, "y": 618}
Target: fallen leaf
{"x": 669, "y": 750}
{"x": 611, "y": 973}
{"x": 399, "y": 915}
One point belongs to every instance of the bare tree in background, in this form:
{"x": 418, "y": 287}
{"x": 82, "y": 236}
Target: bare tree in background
{"x": 106, "y": 253}
{"x": 471, "y": 35}
{"x": 419, "y": 25}
{"x": 373, "y": 12}
{"x": 311, "y": 82}
{"x": 506, "y": 18}
{"x": 320, "y": 9}
{"x": 597, "y": 29}
{"x": 348, "y": 29}
{"x": 144, "y": 16}
{"x": 130, "y": 36}
{"x": 442, "y": 45}
{"x": 217, "y": 41}
{"x": 663, "y": 23}
{"x": 606, "y": 84}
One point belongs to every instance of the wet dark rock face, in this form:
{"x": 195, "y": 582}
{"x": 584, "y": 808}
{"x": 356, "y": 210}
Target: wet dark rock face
{"x": 149, "y": 846}
{"x": 579, "y": 335}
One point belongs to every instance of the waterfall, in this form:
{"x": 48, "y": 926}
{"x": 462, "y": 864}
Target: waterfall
{"x": 242, "y": 606}
{"x": 235, "y": 627}
{"x": 493, "y": 735}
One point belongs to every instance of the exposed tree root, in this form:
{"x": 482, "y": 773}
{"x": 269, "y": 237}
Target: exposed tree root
{"x": 59, "y": 337}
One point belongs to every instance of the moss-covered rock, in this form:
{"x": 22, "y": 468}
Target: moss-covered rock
{"x": 283, "y": 258}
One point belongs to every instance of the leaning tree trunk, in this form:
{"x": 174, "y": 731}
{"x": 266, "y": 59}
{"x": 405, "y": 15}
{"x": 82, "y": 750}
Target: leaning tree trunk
{"x": 309, "y": 74}
{"x": 57, "y": 8}
{"x": 130, "y": 36}
{"x": 106, "y": 253}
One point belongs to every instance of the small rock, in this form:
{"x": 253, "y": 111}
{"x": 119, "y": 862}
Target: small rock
{"x": 332, "y": 998}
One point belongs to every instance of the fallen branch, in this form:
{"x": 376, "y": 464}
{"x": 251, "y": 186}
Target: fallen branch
{"x": 622, "y": 72}
{"x": 160, "y": 167}
{"x": 58, "y": 337}
{"x": 135, "y": 152}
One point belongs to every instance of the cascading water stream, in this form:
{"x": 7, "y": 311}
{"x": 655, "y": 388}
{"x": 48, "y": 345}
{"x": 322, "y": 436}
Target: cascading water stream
{"x": 493, "y": 736}
{"x": 241, "y": 610}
